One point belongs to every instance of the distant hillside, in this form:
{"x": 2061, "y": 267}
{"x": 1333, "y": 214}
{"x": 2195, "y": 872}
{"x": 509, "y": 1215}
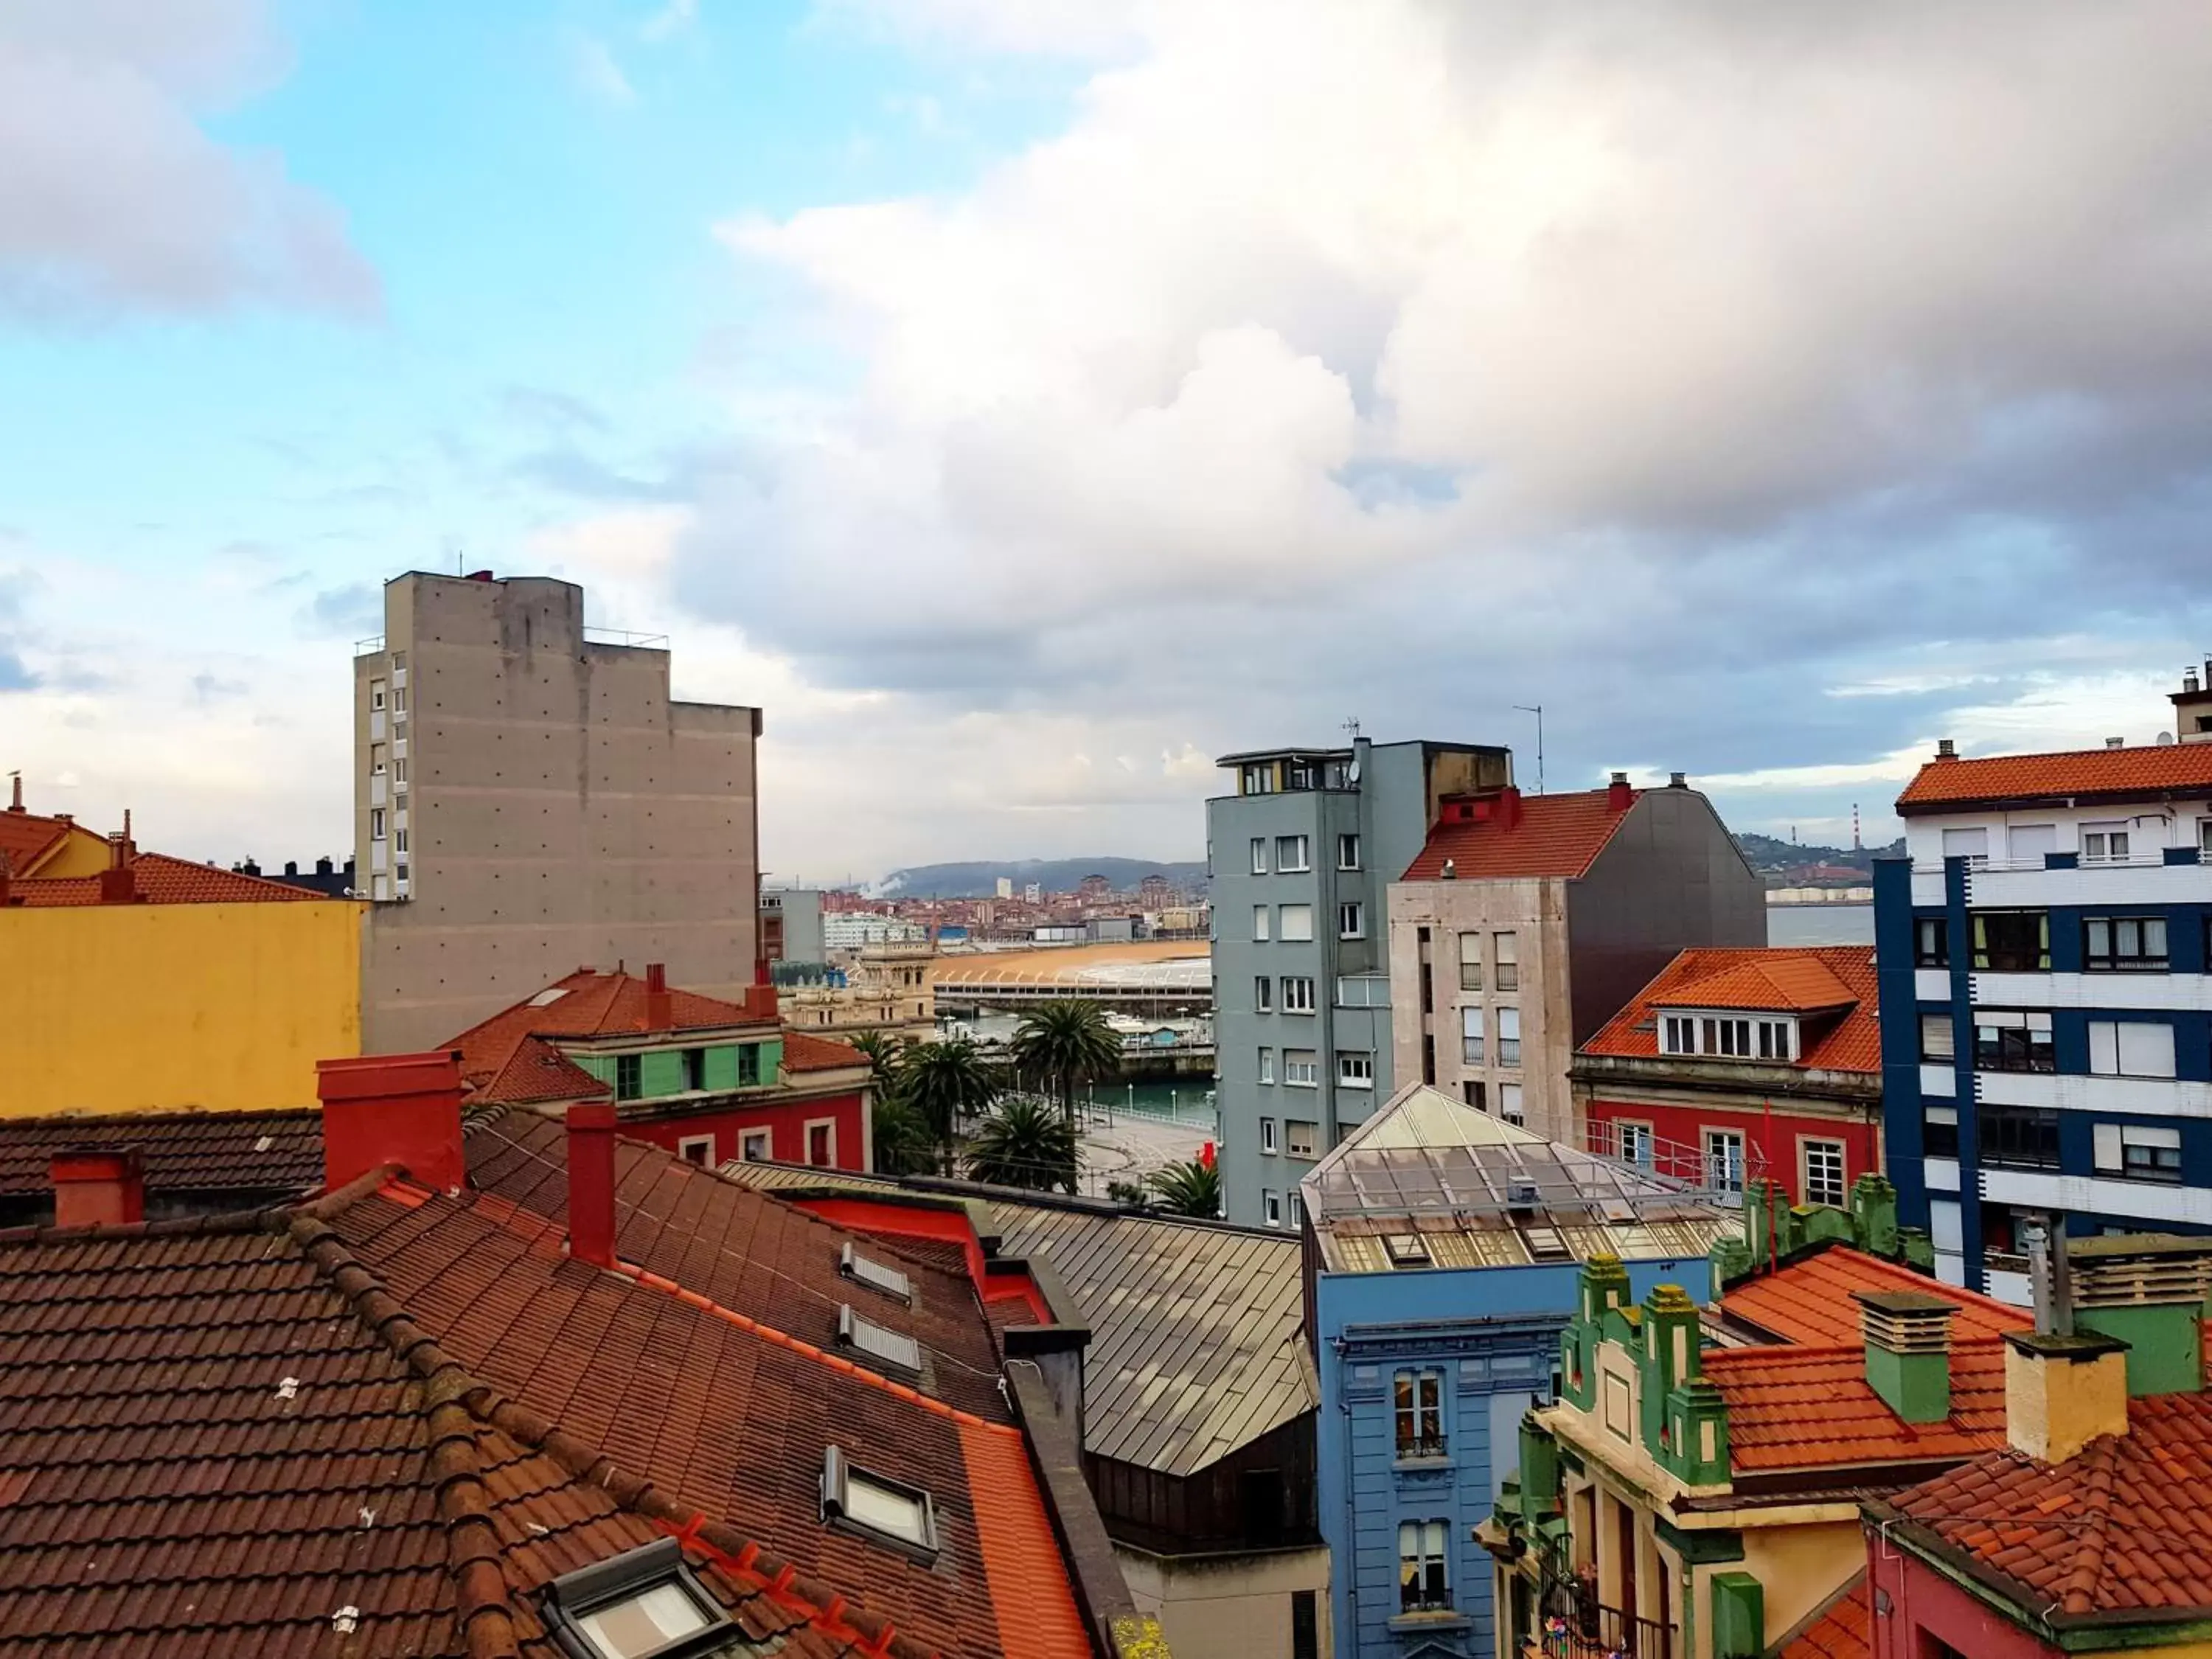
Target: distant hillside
{"x": 980, "y": 880}
{"x": 1766, "y": 854}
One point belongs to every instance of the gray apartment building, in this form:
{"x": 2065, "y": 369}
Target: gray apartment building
{"x": 530, "y": 799}
{"x": 1302, "y": 855}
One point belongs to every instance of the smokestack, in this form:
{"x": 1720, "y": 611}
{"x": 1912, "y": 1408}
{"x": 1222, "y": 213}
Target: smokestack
{"x": 1946, "y": 749}
{"x": 393, "y": 1109}
{"x": 1618, "y": 794}
{"x": 97, "y": 1186}
{"x": 1678, "y": 780}
{"x": 659, "y": 1014}
{"x": 591, "y": 1182}
{"x": 16, "y": 804}
{"x": 1908, "y": 1351}
{"x": 2115, "y": 743}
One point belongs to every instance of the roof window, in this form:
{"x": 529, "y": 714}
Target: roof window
{"x": 551, "y": 995}
{"x": 873, "y": 1274}
{"x": 1406, "y": 1249}
{"x": 884, "y": 1345}
{"x": 889, "y": 1511}
{"x": 643, "y": 1604}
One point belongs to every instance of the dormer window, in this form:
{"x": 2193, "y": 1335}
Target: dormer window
{"x": 887, "y": 1511}
{"x": 879, "y": 1343}
{"x": 1728, "y": 1036}
{"x": 643, "y": 1604}
{"x": 873, "y": 1274}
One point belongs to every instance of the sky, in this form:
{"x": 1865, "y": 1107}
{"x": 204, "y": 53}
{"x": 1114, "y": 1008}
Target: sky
{"x": 1024, "y": 402}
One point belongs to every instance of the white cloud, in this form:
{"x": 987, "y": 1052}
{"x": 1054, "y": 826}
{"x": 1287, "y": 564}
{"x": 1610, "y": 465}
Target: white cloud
{"x": 598, "y": 75}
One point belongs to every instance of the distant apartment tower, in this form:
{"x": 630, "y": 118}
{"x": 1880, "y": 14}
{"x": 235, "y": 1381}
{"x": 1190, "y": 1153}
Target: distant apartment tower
{"x": 529, "y": 799}
{"x": 1300, "y": 856}
{"x": 790, "y": 925}
{"x": 2044, "y": 953}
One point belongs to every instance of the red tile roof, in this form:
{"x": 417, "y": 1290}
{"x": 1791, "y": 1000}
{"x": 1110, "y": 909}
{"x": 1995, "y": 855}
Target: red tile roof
{"x": 1841, "y": 1630}
{"x": 806, "y": 1053}
{"x": 2181, "y": 768}
{"x": 1554, "y": 836}
{"x": 2123, "y": 1526}
{"x": 26, "y": 838}
{"x": 161, "y": 879}
{"x": 1809, "y": 1301}
{"x": 1792, "y": 979}
{"x": 277, "y": 1153}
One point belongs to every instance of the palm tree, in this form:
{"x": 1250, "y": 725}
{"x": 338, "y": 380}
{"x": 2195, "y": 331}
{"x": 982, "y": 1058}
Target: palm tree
{"x": 1063, "y": 1042}
{"x": 1191, "y": 1188}
{"x": 902, "y": 1139}
{"x": 884, "y": 1050}
{"x": 1025, "y": 1143}
{"x": 945, "y": 1082}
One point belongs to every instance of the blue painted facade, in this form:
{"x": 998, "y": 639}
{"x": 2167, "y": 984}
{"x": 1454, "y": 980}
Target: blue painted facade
{"x": 1493, "y": 1333}
{"x": 1972, "y": 1215}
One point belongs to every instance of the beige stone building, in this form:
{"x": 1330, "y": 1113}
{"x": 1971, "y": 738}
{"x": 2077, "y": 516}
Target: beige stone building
{"x": 530, "y": 799}
{"x": 888, "y": 988}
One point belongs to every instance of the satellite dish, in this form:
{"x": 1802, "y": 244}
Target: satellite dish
{"x": 2165, "y": 739}
{"x": 1352, "y": 776}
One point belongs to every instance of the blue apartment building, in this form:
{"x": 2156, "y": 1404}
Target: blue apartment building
{"x": 2046, "y": 996}
{"x": 1443, "y": 1251}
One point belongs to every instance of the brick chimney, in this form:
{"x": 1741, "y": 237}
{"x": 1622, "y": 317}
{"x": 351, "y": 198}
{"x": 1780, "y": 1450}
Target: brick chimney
{"x": 119, "y": 882}
{"x": 659, "y": 1014}
{"x": 591, "y": 1182}
{"x": 393, "y": 1109}
{"x": 1618, "y": 797}
{"x": 2062, "y": 1391}
{"x": 97, "y": 1186}
{"x": 1908, "y": 1351}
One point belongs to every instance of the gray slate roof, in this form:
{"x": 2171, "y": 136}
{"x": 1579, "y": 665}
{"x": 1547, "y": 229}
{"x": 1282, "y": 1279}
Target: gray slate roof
{"x": 1196, "y": 1327}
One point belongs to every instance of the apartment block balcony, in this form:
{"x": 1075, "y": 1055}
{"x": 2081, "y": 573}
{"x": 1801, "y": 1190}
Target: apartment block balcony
{"x": 2175, "y": 875}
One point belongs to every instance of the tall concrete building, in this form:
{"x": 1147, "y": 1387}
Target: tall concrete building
{"x": 1301, "y": 855}
{"x": 529, "y": 799}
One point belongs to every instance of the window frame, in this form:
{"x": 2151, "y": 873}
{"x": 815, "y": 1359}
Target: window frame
{"x": 806, "y": 1142}
{"x": 1294, "y": 923}
{"x": 1351, "y": 919}
{"x": 878, "y": 1345}
{"x": 867, "y": 1271}
{"x": 629, "y": 1076}
{"x": 2114, "y": 838}
{"x": 2114, "y": 960}
{"x": 1508, "y": 1048}
{"x": 1269, "y": 1146}
{"x": 1417, "y": 1423}
{"x": 1347, "y": 849}
{"x": 1424, "y": 1572}
{"x": 2021, "y": 1054}
{"x": 1512, "y": 1103}
{"x": 685, "y": 1144}
{"x": 1505, "y": 960}
{"x": 1986, "y": 957}
{"x": 1266, "y": 1064}
{"x": 1271, "y": 1207}
{"x": 1259, "y": 855}
{"x": 1292, "y": 1126}
{"x": 838, "y": 1474}
{"x": 1724, "y": 1171}
{"x": 1473, "y": 1043}
{"x": 573, "y": 1597}
{"x": 1302, "y": 1061}
{"x": 1933, "y": 1117}
{"x": 745, "y": 1139}
{"x": 1823, "y": 1147}
{"x": 1470, "y": 971}
{"x": 1931, "y": 941}
{"x": 1263, "y": 918}
{"x": 1263, "y": 994}
{"x": 1298, "y": 847}
{"x": 1355, "y": 1068}
{"x": 1944, "y": 1023}
{"x": 1301, "y": 1000}
{"x": 1997, "y": 1126}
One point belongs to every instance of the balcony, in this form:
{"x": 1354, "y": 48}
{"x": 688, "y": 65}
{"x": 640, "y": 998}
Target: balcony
{"x": 1577, "y": 1625}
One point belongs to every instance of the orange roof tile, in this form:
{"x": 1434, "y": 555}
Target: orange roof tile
{"x": 1554, "y": 836}
{"x": 1795, "y": 978}
{"x": 2124, "y": 1525}
{"x": 1809, "y": 1301}
{"x": 805, "y": 1053}
{"x": 2184, "y": 767}
{"x": 1838, "y": 1631}
{"x": 1800, "y": 1408}
{"x": 161, "y": 879}
{"x": 26, "y": 839}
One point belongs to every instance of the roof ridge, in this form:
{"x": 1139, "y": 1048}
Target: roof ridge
{"x": 452, "y": 1386}
{"x": 219, "y": 1225}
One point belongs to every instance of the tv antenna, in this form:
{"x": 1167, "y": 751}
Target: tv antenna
{"x": 1351, "y": 727}
{"x": 1537, "y": 709}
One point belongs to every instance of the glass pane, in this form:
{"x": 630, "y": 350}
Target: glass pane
{"x": 644, "y": 1622}
{"x": 892, "y": 1512}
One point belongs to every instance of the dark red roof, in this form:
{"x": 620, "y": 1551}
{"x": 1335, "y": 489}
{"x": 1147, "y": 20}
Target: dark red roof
{"x": 161, "y": 879}
{"x": 1552, "y": 835}
{"x": 276, "y": 1152}
{"x": 2181, "y": 768}
{"x": 26, "y": 837}
{"x": 1807, "y": 979}
{"x": 806, "y": 1053}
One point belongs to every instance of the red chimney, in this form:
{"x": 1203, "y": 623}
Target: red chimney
{"x": 97, "y": 1186}
{"x": 659, "y": 1015}
{"x": 591, "y": 1182}
{"x": 393, "y": 1109}
{"x": 1618, "y": 797}
{"x": 119, "y": 882}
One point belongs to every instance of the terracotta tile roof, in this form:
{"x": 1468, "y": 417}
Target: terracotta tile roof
{"x": 219, "y": 1440}
{"x": 806, "y": 1053}
{"x": 1555, "y": 836}
{"x": 1806, "y": 1408}
{"x": 1841, "y": 1630}
{"x": 274, "y": 1153}
{"x": 1797, "y": 979}
{"x": 26, "y": 838}
{"x": 2185, "y": 768}
{"x": 161, "y": 879}
{"x": 1809, "y": 1301}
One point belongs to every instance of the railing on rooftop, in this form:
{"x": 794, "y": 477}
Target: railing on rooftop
{"x": 369, "y": 646}
{"x": 2150, "y": 859}
{"x": 623, "y": 636}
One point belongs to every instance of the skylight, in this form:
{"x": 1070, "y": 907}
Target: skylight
{"x": 873, "y": 1274}
{"x": 551, "y": 994}
{"x": 889, "y": 1511}
{"x": 643, "y": 1604}
{"x": 1406, "y": 1249}
{"x": 884, "y": 1346}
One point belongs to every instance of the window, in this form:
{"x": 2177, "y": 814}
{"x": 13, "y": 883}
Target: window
{"x": 1509, "y": 1103}
{"x": 1508, "y": 1036}
{"x": 2138, "y": 1151}
{"x": 1297, "y": 1214}
{"x": 1267, "y": 1065}
{"x": 1296, "y": 921}
{"x": 1271, "y": 1207}
{"x": 1259, "y": 855}
{"x": 1420, "y": 1413}
{"x": 1268, "y": 1134}
{"x": 1428, "y": 1057}
{"x": 1297, "y": 995}
{"x": 2104, "y": 843}
{"x": 2130, "y": 1047}
{"x": 2005, "y": 1040}
{"x": 1968, "y": 844}
{"x": 749, "y": 1065}
{"x": 2112, "y": 945}
{"x": 2018, "y": 1137}
{"x": 2012, "y": 941}
{"x": 888, "y": 1511}
{"x": 695, "y": 1069}
{"x": 1935, "y": 1044}
{"x": 1422, "y": 1586}
{"x": 1636, "y": 1145}
{"x": 1724, "y": 1159}
{"x": 376, "y": 693}
{"x": 1290, "y": 855}
{"x": 862, "y": 1270}
{"x": 376, "y": 823}
{"x": 1678, "y": 1035}
{"x": 1363, "y": 991}
{"x": 1260, "y": 914}
{"x": 399, "y": 841}
{"x": 1347, "y": 852}
{"x": 1259, "y": 779}
{"x": 1298, "y": 1137}
{"x": 1505, "y": 951}
{"x": 1355, "y": 1068}
{"x": 1406, "y": 1249}
{"x": 1824, "y": 1172}
{"x": 2027, "y": 843}
{"x": 376, "y": 760}
{"x": 1305, "y": 1625}
{"x": 1931, "y": 942}
{"x": 629, "y": 1076}
{"x": 1939, "y": 1132}
{"x": 1470, "y": 962}
{"x": 642, "y": 1602}
{"x": 2204, "y": 834}
{"x": 1470, "y": 1036}
{"x": 1352, "y": 921}
{"x": 1301, "y": 1068}
{"x": 1478, "y": 1095}
{"x": 1263, "y": 994}
{"x": 400, "y": 872}
{"x": 398, "y": 700}
{"x": 399, "y": 771}
{"x": 880, "y": 1343}
{"x": 822, "y": 1143}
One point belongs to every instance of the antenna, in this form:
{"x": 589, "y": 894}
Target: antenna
{"x": 1537, "y": 709}
{"x": 1351, "y": 727}
{"x": 1858, "y": 846}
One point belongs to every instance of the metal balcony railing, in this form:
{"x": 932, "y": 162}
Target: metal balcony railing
{"x": 623, "y": 636}
{"x": 369, "y": 646}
